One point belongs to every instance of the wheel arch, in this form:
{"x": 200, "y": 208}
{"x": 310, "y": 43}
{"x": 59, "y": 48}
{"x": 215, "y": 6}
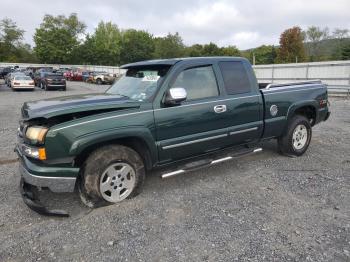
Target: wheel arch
{"x": 141, "y": 144}
{"x": 306, "y": 108}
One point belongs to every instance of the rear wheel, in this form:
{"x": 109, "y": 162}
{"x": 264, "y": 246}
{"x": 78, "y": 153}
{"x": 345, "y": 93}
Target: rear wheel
{"x": 110, "y": 175}
{"x": 297, "y": 137}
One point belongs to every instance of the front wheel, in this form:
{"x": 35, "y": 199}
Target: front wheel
{"x": 297, "y": 137}
{"x": 110, "y": 175}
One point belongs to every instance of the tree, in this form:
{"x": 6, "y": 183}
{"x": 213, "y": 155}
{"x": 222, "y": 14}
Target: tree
{"x": 314, "y": 36}
{"x": 211, "y": 49}
{"x": 345, "y": 54}
{"x": 136, "y": 45}
{"x": 194, "y": 50}
{"x": 11, "y": 47}
{"x": 57, "y": 38}
{"x": 103, "y": 47}
{"x": 341, "y": 39}
{"x": 291, "y": 46}
{"x": 265, "y": 54}
{"x": 230, "y": 51}
{"x": 169, "y": 46}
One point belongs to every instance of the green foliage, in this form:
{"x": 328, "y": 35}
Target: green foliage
{"x": 314, "y": 36}
{"x": 103, "y": 47}
{"x": 11, "y": 47}
{"x": 136, "y": 45}
{"x": 345, "y": 54}
{"x": 211, "y": 49}
{"x": 57, "y": 38}
{"x": 170, "y": 46}
{"x": 291, "y": 48}
{"x": 265, "y": 54}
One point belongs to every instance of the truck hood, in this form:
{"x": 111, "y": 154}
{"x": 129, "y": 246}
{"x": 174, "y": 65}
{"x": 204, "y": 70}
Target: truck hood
{"x": 74, "y": 104}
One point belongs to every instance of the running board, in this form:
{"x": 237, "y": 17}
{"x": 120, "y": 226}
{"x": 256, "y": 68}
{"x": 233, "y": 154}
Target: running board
{"x": 203, "y": 163}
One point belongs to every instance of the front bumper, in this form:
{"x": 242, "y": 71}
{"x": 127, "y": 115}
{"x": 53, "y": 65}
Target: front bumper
{"x": 34, "y": 176}
{"x": 57, "y": 179}
{"x": 55, "y": 184}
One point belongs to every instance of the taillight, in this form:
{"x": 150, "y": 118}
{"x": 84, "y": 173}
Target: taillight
{"x": 31, "y": 83}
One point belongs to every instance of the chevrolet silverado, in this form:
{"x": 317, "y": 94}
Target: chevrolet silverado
{"x": 175, "y": 115}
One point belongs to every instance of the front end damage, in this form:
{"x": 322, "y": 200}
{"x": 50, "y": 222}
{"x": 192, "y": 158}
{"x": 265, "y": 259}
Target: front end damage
{"x": 30, "y": 197}
{"x": 34, "y": 177}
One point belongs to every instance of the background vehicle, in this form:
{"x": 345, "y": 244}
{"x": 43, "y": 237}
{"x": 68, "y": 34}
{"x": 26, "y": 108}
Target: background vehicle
{"x": 5, "y": 71}
{"x": 53, "y": 81}
{"x": 103, "y": 78}
{"x": 85, "y": 75}
{"x": 22, "y": 82}
{"x": 9, "y": 77}
{"x": 39, "y": 76}
{"x": 175, "y": 114}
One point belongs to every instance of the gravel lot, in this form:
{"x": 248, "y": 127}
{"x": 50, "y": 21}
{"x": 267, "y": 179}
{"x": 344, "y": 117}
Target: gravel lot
{"x": 264, "y": 207}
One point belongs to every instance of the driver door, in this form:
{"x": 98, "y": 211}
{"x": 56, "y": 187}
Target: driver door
{"x": 194, "y": 127}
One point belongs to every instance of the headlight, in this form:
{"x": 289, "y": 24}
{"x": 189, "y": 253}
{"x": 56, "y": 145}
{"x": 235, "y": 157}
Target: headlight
{"x": 37, "y": 153}
{"x": 36, "y": 133}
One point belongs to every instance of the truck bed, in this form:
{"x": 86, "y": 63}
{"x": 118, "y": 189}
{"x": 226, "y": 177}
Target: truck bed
{"x": 286, "y": 98}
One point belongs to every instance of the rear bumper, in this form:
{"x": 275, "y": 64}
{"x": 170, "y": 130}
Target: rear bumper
{"x": 23, "y": 87}
{"x": 56, "y": 86}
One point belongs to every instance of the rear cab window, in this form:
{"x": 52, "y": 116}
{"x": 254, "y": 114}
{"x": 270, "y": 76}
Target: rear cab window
{"x": 235, "y": 76}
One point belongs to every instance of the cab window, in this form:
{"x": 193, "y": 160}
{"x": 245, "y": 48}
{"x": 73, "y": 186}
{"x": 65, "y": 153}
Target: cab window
{"x": 199, "y": 82}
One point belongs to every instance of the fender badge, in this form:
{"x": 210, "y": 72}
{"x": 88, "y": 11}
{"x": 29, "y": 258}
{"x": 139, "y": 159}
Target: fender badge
{"x": 273, "y": 110}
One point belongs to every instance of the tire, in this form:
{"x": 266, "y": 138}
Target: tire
{"x": 102, "y": 181}
{"x": 297, "y": 137}
{"x": 99, "y": 81}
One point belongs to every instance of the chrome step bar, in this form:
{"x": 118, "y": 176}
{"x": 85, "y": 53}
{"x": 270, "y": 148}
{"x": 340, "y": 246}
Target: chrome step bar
{"x": 212, "y": 162}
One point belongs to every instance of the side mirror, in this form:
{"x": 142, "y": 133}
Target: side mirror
{"x": 175, "y": 96}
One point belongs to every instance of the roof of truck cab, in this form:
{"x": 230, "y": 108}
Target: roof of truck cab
{"x": 173, "y": 61}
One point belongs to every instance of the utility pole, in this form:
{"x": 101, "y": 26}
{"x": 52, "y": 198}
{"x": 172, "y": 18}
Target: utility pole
{"x": 253, "y": 59}
{"x": 296, "y": 59}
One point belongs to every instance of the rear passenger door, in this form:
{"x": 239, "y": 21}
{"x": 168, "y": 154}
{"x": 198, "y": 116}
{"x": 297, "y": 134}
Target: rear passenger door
{"x": 244, "y": 115}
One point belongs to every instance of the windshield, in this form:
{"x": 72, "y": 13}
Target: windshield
{"x": 139, "y": 83}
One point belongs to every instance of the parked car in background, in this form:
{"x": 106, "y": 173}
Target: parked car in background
{"x": 39, "y": 75}
{"x": 74, "y": 75}
{"x": 85, "y": 75}
{"x": 11, "y": 75}
{"x": 53, "y": 81}
{"x": 103, "y": 78}
{"x": 5, "y": 71}
{"x": 22, "y": 82}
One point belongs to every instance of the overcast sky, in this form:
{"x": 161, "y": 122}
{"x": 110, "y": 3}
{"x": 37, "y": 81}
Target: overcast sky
{"x": 246, "y": 24}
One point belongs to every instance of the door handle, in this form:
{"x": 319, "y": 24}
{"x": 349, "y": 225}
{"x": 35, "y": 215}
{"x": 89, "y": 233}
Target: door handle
{"x": 220, "y": 109}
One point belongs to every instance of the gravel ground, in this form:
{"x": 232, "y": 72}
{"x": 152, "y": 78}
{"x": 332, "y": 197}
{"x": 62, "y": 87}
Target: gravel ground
{"x": 264, "y": 207}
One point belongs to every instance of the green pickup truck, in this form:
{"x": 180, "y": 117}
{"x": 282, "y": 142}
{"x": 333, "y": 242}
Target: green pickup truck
{"x": 175, "y": 115}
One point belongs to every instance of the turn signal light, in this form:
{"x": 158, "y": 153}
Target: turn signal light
{"x": 42, "y": 154}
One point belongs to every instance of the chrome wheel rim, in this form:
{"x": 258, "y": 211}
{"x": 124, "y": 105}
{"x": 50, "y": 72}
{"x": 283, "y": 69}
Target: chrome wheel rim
{"x": 117, "y": 182}
{"x": 299, "y": 137}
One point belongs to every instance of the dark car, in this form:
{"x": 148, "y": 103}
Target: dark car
{"x": 5, "y": 71}
{"x": 39, "y": 75}
{"x": 53, "y": 81}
